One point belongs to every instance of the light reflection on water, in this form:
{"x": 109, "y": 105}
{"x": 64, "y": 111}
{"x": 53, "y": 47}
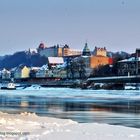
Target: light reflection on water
{"x": 112, "y": 107}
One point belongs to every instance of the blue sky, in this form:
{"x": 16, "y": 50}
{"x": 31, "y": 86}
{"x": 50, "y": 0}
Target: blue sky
{"x": 110, "y": 23}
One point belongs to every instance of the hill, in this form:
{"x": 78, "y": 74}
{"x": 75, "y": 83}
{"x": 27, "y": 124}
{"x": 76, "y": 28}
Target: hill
{"x": 23, "y": 57}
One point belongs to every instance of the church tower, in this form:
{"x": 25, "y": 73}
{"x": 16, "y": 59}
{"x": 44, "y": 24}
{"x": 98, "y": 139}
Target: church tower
{"x": 86, "y": 50}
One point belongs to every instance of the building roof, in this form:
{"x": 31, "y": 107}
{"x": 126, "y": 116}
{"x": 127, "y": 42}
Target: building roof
{"x": 5, "y": 70}
{"x": 44, "y": 67}
{"x": 131, "y": 59}
{"x": 55, "y": 60}
{"x": 101, "y": 49}
{"x": 66, "y": 46}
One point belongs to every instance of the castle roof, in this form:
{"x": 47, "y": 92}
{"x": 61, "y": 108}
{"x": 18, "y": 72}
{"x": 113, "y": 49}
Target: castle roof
{"x": 101, "y": 49}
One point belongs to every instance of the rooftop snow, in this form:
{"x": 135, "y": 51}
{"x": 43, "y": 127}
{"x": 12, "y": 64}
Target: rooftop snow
{"x": 132, "y": 59}
{"x": 55, "y": 60}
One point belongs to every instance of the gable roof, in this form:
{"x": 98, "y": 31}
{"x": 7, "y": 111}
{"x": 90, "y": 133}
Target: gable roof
{"x": 55, "y": 60}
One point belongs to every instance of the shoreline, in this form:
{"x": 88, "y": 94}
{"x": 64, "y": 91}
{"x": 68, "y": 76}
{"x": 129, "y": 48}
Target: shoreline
{"x": 73, "y": 83}
{"x": 30, "y": 126}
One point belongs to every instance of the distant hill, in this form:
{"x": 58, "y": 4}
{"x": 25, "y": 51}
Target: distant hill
{"x": 11, "y": 61}
{"x": 1, "y": 57}
{"x": 119, "y": 55}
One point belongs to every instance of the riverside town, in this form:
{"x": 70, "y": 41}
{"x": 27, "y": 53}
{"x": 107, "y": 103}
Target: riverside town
{"x": 69, "y": 69}
{"x": 62, "y": 66}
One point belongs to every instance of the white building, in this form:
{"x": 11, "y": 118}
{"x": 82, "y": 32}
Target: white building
{"x": 54, "y": 61}
{"x": 5, "y": 74}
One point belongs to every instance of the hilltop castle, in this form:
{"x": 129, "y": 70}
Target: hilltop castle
{"x": 57, "y": 51}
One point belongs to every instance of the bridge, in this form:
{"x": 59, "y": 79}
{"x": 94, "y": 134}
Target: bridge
{"x": 115, "y": 79}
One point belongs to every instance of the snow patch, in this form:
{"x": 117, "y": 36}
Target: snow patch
{"x": 31, "y": 126}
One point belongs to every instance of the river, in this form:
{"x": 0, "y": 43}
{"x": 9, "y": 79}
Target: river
{"x": 117, "y": 107}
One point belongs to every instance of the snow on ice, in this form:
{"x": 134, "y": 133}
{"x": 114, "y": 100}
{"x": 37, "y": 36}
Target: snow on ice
{"x": 26, "y": 126}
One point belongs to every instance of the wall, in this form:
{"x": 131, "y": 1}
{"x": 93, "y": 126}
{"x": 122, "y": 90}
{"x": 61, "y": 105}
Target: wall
{"x": 96, "y": 61}
{"x": 48, "y": 52}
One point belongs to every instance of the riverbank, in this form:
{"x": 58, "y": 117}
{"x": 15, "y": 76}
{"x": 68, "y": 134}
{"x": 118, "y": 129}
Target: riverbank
{"x": 30, "y": 126}
{"x": 75, "y": 83}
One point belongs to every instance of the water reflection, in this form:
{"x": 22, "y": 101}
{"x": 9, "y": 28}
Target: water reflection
{"x": 79, "y": 106}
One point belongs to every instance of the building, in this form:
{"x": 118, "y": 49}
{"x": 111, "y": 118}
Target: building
{"x": 41, "y": 47}
{"x": 59, "y": 73}
{"x": 22, "y": 72}
{"x": 33, "y": 71}
{"x": 49, "y": 73}
{"x": 5, "y": 74}
{"x": 41, "y": 73}
{"x": 137, "y": 53}
{"x": 99, "y": 58}
{"x": 53, "y": 51}
{"x": 129, "y": 66}
{"x": 66, "y": 51}
{"x": 74, "y": 53}
{"x": 86, "y": 51}
{"x": 97, "y": 61}
{"x": 53, "y": 61}
{"x": 57, "y": 51}
{"x": 100, "y": 51}
{"x": 86, "y": 63}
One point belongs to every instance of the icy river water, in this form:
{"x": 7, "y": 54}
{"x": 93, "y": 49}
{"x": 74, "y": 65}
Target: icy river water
{"x": 119, "y": 107}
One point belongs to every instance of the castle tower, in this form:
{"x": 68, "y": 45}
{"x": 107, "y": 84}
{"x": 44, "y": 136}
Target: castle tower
{"x": 66, "y": 50}
{"x": 41, "y": 47}
{"x": 100, "y": 51}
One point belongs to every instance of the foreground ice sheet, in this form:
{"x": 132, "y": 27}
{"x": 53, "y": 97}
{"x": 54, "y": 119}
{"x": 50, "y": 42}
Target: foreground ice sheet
{"x": 30, "y": 126}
